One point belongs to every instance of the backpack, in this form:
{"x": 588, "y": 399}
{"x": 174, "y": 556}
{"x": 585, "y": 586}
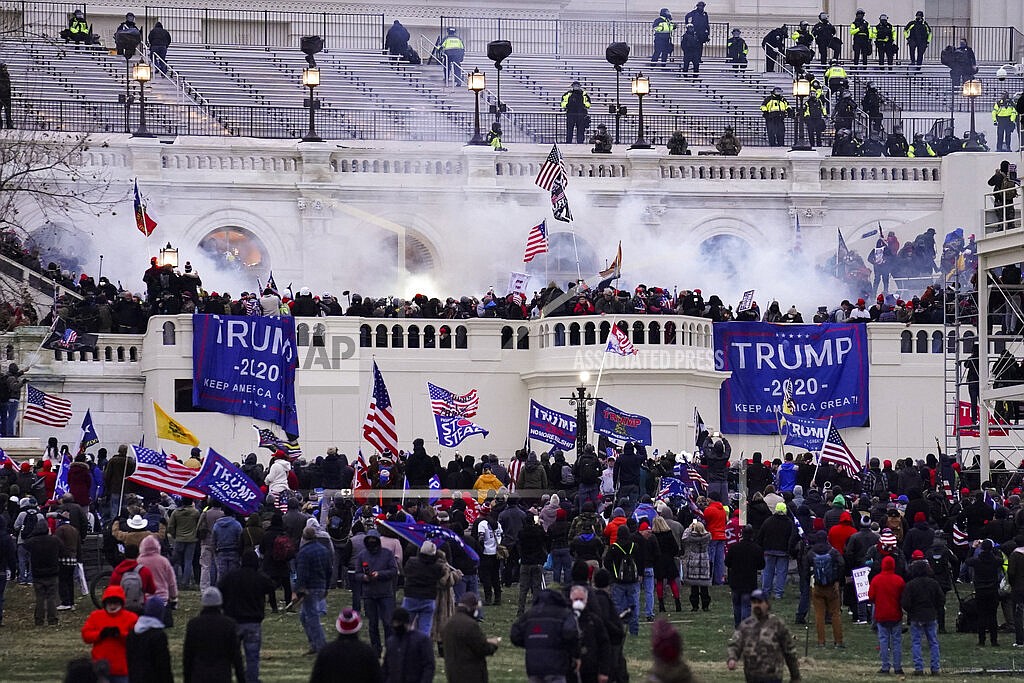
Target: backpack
{"x": 589, "y": 471}
{"x": 627, "y": 567}
{"x": 967, "y": 618}
{"x": 131, "y": 584}
{"x": 28, "y": 525}
{"x": 412, "y": 56}
{"x": 568, "y": 479}
{"x": 283, "y": 548}
{"x": 824, "y": 569}
{"x": 939, "y": 564}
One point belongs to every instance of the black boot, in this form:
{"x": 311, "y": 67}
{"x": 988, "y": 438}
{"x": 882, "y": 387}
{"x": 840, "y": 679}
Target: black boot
{"x": 679, "y": 605}
{"x": 694, "y": 604}
{"x": 661, "y": 604}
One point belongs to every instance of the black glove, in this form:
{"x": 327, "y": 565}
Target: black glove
{"x": 110, "y": 632}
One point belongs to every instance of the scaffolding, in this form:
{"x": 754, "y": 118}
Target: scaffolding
{"x": 984, "y": 349}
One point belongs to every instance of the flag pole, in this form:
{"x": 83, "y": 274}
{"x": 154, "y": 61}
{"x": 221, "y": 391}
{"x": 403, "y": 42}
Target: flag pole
{"x": 782, "y": 439}
{"x": 579, "y": 273}
{"x": 597, "y": 387}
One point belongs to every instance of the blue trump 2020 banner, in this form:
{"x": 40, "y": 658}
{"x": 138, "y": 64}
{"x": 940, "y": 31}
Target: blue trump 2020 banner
{"x": 245, "y": 365}
{"x": 804, "y": 432}
{"x": 823, "y": 368}
{"x": 224, "y": 482}
{"x": 453, "y": 430}
{"x": 619, "y": 425}
{"x": 553, "y": 427}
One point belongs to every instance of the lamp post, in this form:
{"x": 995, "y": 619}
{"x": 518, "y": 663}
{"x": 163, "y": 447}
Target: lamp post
{"x": 476, "y": 82}
{"x": 801, "y": 90}
{"x": 497, "y": 52}
{"x": 972, "y": 91}
{"x": 580, "y": 400}
{"x": 311, "y": 79}
{"x": 640, "y": 86}
{"x": 617, "y": 54}
{"x": 142, "y": 74}
{"x": 169, "y": 256}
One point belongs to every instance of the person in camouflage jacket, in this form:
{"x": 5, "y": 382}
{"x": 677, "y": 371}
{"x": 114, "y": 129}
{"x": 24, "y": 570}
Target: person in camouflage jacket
{"x": 764, "y": 644}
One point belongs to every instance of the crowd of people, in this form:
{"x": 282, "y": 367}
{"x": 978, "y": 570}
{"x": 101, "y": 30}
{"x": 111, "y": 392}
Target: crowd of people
{"x": 591, "y": 546}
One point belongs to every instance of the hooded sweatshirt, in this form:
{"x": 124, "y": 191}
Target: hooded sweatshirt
{"x": 110, "y": 648}
{"x": 160, "y": 567}
{"x": 885, "y": 592}
{"x": 841, "y": 532}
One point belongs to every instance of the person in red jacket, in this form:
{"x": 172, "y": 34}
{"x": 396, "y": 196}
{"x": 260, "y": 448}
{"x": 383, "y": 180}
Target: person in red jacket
{"x": 611, "y": 530}
{"x": 885, "y": 592}
{"x": 107, "y": 629}
{"x": 715, "y": 518}
{"x": 130, "y": 561}
{"x": 49, "y": 477}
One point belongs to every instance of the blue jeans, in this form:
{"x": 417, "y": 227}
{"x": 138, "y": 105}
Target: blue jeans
{"x": 9, "y": 417}
{"x": 314, "y": 605}
{"x": 723, "y": 490}
{"x": 929, "y": 629}
{"x": 890, "y": 638}
{"x": 649, "y": 591}
{"x": 422, "y": 612}
{"x": 740, "y": 607}
{"x": 378, "y": 613}
{"x": 251, "y": 637}
{"x": 226, "y": 561}
{"x": 627, "y": 596}
{"x": 587, "y": 492}
{"x": 562, "y": 560}
{"x": 716, "y": 555}
{"x": 773, "y": 578}
{"x": 24, "y": 564}
{"x": 184, "y": 560}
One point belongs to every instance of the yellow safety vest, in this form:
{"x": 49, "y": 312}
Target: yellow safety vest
{"x": 855, "y": 30}
{"x": 664, "y": 26}
{"x": 453, "y": 43}
{"x": 78, "y": 26}
{"x": 1002, "y": 111}
{"x": 928, "y": 150}
{"x": 880, "y": 34}
{"x": 775, "y": 105}
{"x": 835, "y": 72}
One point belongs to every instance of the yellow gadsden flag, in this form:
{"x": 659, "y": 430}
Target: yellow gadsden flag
{"x": 169, "y": 428}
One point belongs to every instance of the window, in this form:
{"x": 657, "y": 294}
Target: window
{"x": 169, "y": 334}
{"x": 183, "y": 397}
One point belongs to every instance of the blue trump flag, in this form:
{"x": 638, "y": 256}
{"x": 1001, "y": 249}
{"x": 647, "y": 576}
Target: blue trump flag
{"x": 245, "y": 365}
{"x": 804, "y": 432}
{"x": 224, "y": 482}
{"x": 434, "y": 484}
{"x": 826, "y": 365}
{"x": 451, "y": 430}
{"x": 89, "y": 435}
{"x": 61, "y": 487}
{"x": 673, "y": 486}
{"x": 553, "y": 427}
{"x": 619, "y": 425}
{"x": 417, "y": 533}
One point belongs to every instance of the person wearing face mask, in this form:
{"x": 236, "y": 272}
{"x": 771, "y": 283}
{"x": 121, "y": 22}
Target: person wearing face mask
{"x": 466, "y": 648}
{"x": 764, "y": 644}
{"x": 595, "y": 649}
{"x": 409, "y": 656}
{"x": 376, "y": 569}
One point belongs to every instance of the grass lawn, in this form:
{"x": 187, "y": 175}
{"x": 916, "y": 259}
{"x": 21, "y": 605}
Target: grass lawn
{"x": 32, "y": 654}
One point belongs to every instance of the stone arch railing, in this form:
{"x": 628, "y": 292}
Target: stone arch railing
{"x": 645, "y": 330}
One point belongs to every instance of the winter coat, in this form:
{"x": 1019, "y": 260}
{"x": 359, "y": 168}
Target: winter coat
{"x": 595, "y": 646}
{"x": 183, "y": 525}
{"x": 465, "y": 648}
{"x": 109, "y": 648}
{"x": 211, "y": 649}
{"x": 744, "y": 559}
{"x": 714, "y": 520}
{"x": 775, "y": 534}
{"x": 349, "y": 654}
{"x": 159, "y": 567}
{"x": 549, "y": 634}
{"x": 532, "y": 476}
{"x": 312, "y": 567}
{"x": 409, "y": 658}
{"x": 148, "y": 654}
{"x": 920, "y": 537}
{"x": 45, "y": 551}
{"x": 226, "y": 534}
{"x": 841, "y": 533}
{"x": 885, "y": 591}
{"x": 987, "y": 568}
{"x": 922, "y": 597}
{"x": 277, "y": 477}
{"x": 665, "y": 567}
{"x": 423, "y": 573}
{"x": 444, "y": 601}
{"x": 80, "y": 482}
{"x": 696, "y": 563}
{"x": 382, "y": 562}
{"x": 533, "y": 546}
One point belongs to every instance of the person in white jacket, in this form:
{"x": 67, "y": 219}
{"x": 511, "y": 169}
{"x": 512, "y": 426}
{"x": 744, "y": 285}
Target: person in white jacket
{"x": 277, "y": 478}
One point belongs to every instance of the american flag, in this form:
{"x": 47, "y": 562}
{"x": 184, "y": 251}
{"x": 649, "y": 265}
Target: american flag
{"x": 271, "y": 442}
{"x": 948, "y": 490}
{"x": 991, "y": 502}
{"x": 618, "y": 342}
{"x": 379, "y": 427}
{"x": 514, "y": 468}
{"x": 552, "y": 170}
{"x": 444, "y": 402}
{"x": 536, "y": 241}
{"x": 559, "y": 203}
{"x": 5, "y": 460}
{"x": 835, "y": 451}
{"x": 46, "y": 409}
{"x": 959, "y": 536}
{"x": 671, "y": 486}
{"x": 161, "y": 473}
{"x": 68, "y": 338}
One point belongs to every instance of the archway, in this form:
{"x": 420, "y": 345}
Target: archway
{"x": 236, "y": 248}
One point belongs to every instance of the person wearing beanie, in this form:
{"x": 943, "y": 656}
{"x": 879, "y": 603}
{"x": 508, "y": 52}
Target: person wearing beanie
{"x": 834, "y": 512}
{"x": 312, "y": 574}
{"x": 423, "y": 574}
{"x": 921, "y": 599}
{"x": 618, "y": 519}
{"x": 856, "y": 553}
{"x": 667, "y": 651}
{"x": 763, "y": 643}
{"x": 211, "y": 650}
{"x": 147, "y": 652}
{"x": 919, "y": 537}
{"x": 245, "y": 592}
{"x": 107, "y": 629}
{"x": 347, "y": 653}
{"x": 409, "y": 655}
{"x": 885, "y": 592}
{"x": 987, "y": 566}
{"x": 465, "y": 646}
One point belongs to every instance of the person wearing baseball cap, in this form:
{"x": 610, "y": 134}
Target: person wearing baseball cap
{"x": 347, "y": 653}
{"x": 763, "y": 643}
